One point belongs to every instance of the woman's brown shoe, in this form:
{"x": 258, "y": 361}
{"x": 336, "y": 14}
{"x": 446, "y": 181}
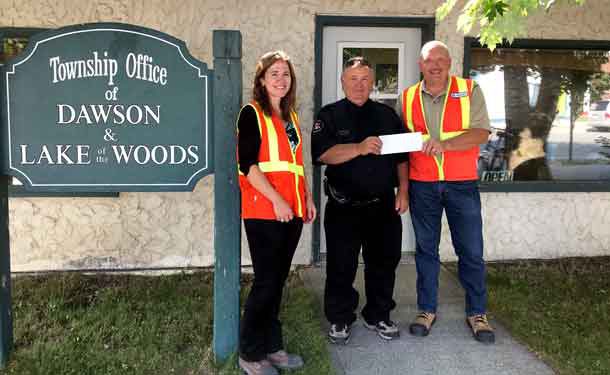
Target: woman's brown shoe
{"x": 285, "y": 361}
{"x": 263, "y": 367}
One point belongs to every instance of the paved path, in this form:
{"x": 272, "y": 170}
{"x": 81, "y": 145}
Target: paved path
{"x": 448, "y": 350}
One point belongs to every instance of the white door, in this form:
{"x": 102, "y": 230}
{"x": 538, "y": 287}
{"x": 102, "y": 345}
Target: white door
{"x": 393, "y": 54}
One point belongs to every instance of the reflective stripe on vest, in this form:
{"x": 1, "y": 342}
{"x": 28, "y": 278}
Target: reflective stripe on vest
{"x": 413, "y": 112}
{"x": 273, "y": 163}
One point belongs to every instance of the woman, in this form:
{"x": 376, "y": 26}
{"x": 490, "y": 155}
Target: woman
{"x": 275, "y": 203}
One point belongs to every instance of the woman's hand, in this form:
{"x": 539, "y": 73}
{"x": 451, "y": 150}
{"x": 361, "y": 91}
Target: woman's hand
{"x": 282, "y": 210}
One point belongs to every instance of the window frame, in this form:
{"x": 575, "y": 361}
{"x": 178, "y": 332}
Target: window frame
{"x": 19, "y": 191}
{"x": 585, "y": 186}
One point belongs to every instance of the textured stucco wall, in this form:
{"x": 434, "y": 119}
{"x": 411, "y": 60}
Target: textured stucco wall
{"x": 135, "y": 230}
{"x": 541, "y": 225}
{"x": 546, "y": 225}
{"x": 176, "y": 229}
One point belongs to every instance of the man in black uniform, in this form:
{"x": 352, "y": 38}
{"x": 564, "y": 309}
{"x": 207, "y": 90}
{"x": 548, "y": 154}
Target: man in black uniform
{"x": 363, "y": 209}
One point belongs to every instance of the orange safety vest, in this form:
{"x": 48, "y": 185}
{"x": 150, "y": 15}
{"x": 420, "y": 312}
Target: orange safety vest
{"x": 283, "y": 169}
{"x": 455, "y": 120}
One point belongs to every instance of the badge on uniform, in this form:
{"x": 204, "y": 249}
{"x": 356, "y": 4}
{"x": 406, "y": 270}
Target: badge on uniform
{"x": 459, "y": 94}
{"x": 343, "y": 132}
{"x": 317, "y": 126}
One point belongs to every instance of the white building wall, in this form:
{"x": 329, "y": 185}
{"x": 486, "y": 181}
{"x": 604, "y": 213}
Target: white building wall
{"x": 176, "y": 229}
{"x": 542, "y": 225}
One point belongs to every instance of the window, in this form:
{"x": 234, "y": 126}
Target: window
{"x": 547, "y": 102}
{"x": 12, "y": 42}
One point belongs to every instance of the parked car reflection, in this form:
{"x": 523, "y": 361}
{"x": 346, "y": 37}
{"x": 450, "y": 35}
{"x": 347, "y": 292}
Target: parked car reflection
{"x": 599, "y": 115}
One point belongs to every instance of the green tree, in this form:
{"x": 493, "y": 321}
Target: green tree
{"x": 600, "y": 85}
{"x": 529, "y": 123}
{"x": 497, "y": 19}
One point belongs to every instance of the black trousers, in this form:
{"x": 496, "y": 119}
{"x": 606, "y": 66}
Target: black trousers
{"x": 376, "y": 228}
{"x": 272, "y": 246}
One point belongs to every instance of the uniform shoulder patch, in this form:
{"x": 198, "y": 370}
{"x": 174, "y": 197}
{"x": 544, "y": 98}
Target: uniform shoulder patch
{"x": 317, "y": 126}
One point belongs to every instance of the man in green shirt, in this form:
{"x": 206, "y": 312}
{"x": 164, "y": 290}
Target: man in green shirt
{"x": 450, "y": 113}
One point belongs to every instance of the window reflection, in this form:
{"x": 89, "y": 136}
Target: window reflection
{"x": 549, "y": 113}
{"x": 11, "y": 46}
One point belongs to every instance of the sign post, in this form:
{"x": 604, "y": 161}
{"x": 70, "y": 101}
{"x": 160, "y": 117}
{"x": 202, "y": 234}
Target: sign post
{"x": 112, "y": 107}
{"x": 6, "y": 319}
{"x": 227, "y": 229}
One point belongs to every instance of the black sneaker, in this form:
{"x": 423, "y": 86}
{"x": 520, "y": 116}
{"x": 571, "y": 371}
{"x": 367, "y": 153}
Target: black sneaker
{"x": 386, "y": 329}
{"x": 339, "y": 333}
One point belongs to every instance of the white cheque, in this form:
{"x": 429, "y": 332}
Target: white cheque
{"x": 406, "y": 142}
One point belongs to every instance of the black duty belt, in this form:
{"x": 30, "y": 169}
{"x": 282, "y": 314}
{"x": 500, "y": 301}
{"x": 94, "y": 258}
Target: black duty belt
{"x": 345, "y": 200}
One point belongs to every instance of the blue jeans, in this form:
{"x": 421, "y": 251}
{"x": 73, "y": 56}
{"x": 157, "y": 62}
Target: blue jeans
{"x": 462, "y": 205}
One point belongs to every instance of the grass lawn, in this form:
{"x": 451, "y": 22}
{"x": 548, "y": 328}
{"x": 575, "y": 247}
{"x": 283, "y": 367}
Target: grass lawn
{"x": 125, "y": 324}
{"x": 559, "y": 308}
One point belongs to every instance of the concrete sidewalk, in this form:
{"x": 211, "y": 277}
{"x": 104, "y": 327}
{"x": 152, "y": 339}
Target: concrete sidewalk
{"x": 448, "y": 350}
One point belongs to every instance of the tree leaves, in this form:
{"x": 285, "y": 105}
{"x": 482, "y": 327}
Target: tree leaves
{"x": 497, "y": 19}
{"x": 493, "y": 9}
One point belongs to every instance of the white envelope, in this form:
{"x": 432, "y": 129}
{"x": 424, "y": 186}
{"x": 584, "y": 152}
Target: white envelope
{"x": 406, "y": 142}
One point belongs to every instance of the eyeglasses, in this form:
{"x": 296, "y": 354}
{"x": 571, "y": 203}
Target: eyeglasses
{"x": 356, "y": 61}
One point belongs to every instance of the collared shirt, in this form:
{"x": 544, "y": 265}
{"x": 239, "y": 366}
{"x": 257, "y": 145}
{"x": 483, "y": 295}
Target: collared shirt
{"x": 344, "y": 122}
{"x": 433, "y": 110}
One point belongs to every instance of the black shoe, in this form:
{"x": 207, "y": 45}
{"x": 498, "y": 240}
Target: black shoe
{"x": 386, "y": 329}
{"x": 339, "y": 333}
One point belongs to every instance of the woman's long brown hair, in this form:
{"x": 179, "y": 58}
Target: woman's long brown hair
{"x": 259, "y": 93}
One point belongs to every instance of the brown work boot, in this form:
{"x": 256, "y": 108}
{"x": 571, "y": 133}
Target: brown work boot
{"x": 422, "y": 324}
{"x": 285, "y": 361}
{"x": 263, "y": 367}
{"x": 481, "y": 330}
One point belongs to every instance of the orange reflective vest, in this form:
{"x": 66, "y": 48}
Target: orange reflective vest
{"x": 283, "y": 169}
{"x": 454, "y": 165}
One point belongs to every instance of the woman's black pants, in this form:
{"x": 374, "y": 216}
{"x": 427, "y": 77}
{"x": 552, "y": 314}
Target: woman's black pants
{"x": 272, "y": 246}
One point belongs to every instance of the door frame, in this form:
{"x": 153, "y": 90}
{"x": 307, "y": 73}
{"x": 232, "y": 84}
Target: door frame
{"x": 427, "y": 26}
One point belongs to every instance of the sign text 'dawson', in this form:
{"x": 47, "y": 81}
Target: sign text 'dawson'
{"x": 107, "y": 107}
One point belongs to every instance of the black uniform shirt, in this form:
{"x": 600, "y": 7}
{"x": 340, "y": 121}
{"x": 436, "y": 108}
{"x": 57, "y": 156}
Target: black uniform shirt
{"x": 344, "y": 122}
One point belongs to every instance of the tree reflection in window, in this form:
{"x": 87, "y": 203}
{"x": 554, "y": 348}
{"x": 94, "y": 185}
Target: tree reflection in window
{"x": 11, "y": 47}
{"x": 539, "y": 101}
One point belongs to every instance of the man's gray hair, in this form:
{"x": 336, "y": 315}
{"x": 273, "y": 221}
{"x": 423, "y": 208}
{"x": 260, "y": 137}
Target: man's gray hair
{"x": 426, "y": 48}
